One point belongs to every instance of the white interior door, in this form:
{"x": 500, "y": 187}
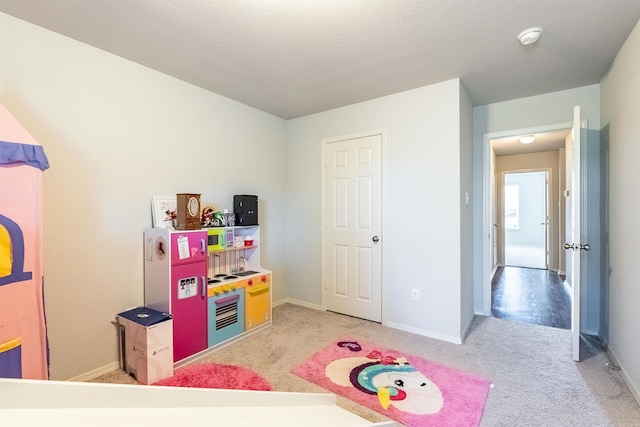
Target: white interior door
{"x": 573, "y": 243}
{"x": 352, "y": 251}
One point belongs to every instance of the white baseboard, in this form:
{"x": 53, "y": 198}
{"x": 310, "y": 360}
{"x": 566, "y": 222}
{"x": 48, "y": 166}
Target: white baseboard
{"x": 186, "y": 361}
{"x": 632, "y": 387}
{"x": 87, "y": 376}
{"x": 425, "y": 333}
{"x": 298, "y": 302}
{"x": 467, "y": 326}
{"x": 280, "y": 302}
{"x": 401, "y": 327}
{"x": 430, "y": 334}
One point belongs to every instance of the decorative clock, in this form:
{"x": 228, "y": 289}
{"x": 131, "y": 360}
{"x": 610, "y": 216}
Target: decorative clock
{"x": 188, "y": 211}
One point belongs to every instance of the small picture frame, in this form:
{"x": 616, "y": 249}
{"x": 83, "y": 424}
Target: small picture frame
{"x": 163, "y": 211}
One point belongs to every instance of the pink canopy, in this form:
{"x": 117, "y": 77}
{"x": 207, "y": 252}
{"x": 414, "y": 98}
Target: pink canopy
{"x": 23, "y": 335}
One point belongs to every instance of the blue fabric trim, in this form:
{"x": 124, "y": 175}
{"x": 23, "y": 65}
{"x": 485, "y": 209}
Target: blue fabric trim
{"x": 15, "y": 152}
{"x": 13, "y": 278}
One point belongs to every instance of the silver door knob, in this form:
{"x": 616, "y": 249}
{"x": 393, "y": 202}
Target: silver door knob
{"x": 375, "y": 239}
{"x": 582, "y": 247}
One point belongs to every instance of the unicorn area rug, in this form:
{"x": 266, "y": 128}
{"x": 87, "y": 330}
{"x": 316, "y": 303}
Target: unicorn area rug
{"x": 406, "y": 388}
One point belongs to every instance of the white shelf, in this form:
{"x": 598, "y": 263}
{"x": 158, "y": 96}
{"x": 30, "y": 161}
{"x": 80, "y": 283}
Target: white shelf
{"x": 240, "y": 248}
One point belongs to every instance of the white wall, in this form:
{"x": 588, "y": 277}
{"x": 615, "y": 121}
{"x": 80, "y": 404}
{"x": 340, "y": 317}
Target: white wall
{"x": 117, "y": 133}
{"x": 466, "y": 212}
{"x": 540, "y": 110}
{"x": 620, "y": 111}
{"x": 423, "y": 234}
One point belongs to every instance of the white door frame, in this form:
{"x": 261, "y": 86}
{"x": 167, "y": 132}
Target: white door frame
{"x": 383, "y": 213}
{"x": 487, "y": 224}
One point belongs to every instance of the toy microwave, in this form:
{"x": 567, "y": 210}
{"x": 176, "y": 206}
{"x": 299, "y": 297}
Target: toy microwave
{"x": 216, "y": 238}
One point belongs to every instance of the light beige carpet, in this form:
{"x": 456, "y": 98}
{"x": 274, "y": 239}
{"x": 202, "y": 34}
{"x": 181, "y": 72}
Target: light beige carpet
{"x": 535, "y": 381}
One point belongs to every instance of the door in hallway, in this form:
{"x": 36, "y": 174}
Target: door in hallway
{"x": 526, "y": 219}
{"x": 352, "y": 241}
{"x": 575, "y": 244}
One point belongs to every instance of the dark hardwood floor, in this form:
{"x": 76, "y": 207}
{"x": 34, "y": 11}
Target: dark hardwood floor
{"x": 530, "y": 295}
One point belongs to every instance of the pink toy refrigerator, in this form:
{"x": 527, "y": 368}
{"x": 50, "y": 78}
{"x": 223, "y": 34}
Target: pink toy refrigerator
{"x": 175, "y": 282}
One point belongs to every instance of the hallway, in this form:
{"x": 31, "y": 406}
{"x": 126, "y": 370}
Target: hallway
{"x": 525, "y": 256}
{"x": 529, "y": 295}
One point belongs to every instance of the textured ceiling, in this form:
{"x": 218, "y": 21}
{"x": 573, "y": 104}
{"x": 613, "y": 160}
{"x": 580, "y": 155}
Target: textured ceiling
{"x": 545, "y": 141}
{"x": 296, "y": 57}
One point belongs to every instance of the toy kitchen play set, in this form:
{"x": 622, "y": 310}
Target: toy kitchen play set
{"x": 209, "y": 279}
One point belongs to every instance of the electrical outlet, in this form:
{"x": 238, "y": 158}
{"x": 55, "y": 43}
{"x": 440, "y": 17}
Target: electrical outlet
{"x": 415, "y": 294}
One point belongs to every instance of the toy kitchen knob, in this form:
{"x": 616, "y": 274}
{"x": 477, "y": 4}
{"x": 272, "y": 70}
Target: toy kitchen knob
{"x": 250, "y": 282}
{"x": 226, "y": 288}
{"x": 263, "y": 279}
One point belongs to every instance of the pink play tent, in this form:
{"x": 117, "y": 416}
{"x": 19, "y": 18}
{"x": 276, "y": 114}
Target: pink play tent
{"x": 23, "y": 334}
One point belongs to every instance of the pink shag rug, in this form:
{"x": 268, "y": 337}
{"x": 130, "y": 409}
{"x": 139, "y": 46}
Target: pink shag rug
{"x": 406, "y": 388}
{"x": 214, "y": 375}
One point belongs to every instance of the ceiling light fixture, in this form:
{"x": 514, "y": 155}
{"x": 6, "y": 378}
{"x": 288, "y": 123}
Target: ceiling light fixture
{"x": 527, "y": 139}
{"x": 530, "y": 36}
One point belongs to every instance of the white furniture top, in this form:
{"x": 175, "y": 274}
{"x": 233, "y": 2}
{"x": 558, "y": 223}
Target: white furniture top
{"x": 37, "y": 403}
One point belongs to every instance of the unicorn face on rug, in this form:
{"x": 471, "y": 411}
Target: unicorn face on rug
{"x": 395, "y": 382}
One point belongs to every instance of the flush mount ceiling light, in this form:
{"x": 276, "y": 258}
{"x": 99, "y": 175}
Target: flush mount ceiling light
{"x": 527, "y": 139}
{"x": 530, "y": 36}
